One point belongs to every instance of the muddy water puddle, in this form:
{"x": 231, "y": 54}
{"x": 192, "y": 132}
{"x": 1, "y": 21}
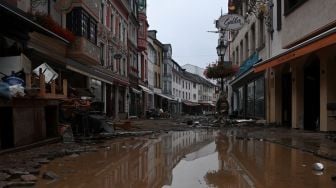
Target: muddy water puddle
{"x": 189, "y": 159}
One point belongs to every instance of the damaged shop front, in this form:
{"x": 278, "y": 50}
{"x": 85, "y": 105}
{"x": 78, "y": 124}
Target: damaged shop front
{"x": 30, "y": 90}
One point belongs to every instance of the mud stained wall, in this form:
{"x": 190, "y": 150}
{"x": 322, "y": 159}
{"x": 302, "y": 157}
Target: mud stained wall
{"x": 29, "y": 125}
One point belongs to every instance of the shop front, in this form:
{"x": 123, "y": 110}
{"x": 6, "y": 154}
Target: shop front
{"x": 301, "y": 87}
{"x": 249, "y": 91}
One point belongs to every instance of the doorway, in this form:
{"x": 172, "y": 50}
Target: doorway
{"x": 312, "y": 94}
{"x": 109, "y": 101}
{"x": 6, "y": 128}
{"x": 286, "y": 96}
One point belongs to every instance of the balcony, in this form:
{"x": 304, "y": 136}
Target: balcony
{"x": 84, "y": 51}
{"x": 142, "y": 44}
{"x": 91, "y": 6}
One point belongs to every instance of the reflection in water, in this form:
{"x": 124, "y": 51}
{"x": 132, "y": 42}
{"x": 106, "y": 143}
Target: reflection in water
{"x": 190, "y": 159}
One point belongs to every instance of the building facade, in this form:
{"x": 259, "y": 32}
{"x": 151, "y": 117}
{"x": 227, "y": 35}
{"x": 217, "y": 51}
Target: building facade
{"x": 301, "y": 69}
{"x": 286, "y": 64}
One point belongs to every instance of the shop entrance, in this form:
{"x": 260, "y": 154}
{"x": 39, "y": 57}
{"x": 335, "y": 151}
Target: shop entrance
{"x": 312, "y": 94}
{"x": 6, "y": 128}
{"x": 286, "y": 97}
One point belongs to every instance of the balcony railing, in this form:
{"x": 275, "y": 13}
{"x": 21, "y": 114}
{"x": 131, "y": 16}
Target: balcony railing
{"x": 84, "y": 51}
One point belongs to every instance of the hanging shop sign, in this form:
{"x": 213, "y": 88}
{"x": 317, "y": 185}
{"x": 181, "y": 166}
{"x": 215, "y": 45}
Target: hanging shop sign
{"x": 230, "y": 22}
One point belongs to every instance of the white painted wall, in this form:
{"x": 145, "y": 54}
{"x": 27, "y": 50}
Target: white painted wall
{"x": 310, "y": 16}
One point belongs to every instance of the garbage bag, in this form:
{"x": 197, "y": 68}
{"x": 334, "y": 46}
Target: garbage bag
{"x": 4, "y": 90}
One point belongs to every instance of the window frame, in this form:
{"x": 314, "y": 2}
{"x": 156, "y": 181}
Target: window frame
{"x": 288, "y": 10}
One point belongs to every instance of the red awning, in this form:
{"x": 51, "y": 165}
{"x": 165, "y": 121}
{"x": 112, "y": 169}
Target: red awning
{"x": 189, "y": 103}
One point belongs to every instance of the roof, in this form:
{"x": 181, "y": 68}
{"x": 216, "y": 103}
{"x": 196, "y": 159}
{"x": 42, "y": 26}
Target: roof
{"x": 197, "y": 78}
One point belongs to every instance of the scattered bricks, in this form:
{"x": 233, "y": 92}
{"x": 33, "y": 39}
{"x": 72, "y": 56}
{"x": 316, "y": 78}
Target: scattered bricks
{"x": 74, "y": 155}
{"x": 4, "y": 176}
{"x": 33, "y": 164}
{"x": 20, "y": 184}
{"x": 34, "y": 171}
{"x": 42, "y": 161}
{"x": 17, "y": 173}
{"x": 49, "y": 175}
{"x": 3, "y": 184}
{"x": 28, "y": 178}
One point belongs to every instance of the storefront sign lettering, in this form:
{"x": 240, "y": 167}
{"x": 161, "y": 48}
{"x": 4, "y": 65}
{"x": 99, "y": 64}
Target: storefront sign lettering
{"x": 230, "y": 22}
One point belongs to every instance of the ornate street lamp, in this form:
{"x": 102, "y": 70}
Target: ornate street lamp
{"x": 221, "y": 49}
{"x": 221, "y": 69}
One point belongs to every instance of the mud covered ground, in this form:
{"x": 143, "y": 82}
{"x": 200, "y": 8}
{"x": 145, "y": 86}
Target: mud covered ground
{"x": 20, "y": 168}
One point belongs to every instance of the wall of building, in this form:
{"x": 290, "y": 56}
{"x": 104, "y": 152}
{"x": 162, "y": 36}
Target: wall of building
{"x": 309, "y": 17}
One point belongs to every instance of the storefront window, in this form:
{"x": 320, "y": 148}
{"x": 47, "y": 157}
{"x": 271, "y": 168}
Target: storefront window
{"x": 250, "y": 99}
{"x": 259, "y": 98}
{"x": 121, "y": 101}
{"x": 241, "y": 101}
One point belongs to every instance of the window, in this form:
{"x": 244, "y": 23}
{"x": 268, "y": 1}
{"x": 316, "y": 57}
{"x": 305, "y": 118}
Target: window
{"x": 165, "y": 72}
{"x": 247, "y": 53}
{"x": 159, "y": 80}
{"x": 253, "y": 38}
{"x": 279, "y": 15}
{"x": 102, "y": 54}
{"x": 241, "y": 99}
{"x": 194, "y": 85}
{"x": 85, "y": 24}
{"x": 102, "y": 13}
{"x": 237, "y": 56}
{"x": 111, "y": 24}
{"x": 291, "y": 5}
{"x": 241, "y": 53}
{"x": 259, "y": 97}
{"x": 234, "y": 58}
{"x": 261, "y": 33}
{"x": 93, "y": 29}
{"x": 194, "y": 96}
{"x": 82, "y": 24}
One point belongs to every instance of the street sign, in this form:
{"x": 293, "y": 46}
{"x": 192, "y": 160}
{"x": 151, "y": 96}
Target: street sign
{"x": 230, "y": 22}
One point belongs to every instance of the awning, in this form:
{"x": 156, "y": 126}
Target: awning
{"x": 88, "y": 71}
{"x": 248, "y": 64}
{"x": 189, "y": 103}
{"x": 320, "y": 41}
{"x": 165, "y": 96}
{"x": 145, "y": 89}
{"x": 207, "y": 103}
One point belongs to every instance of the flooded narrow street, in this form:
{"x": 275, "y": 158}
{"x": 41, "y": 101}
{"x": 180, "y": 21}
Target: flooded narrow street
{"x": 189, "y": 159}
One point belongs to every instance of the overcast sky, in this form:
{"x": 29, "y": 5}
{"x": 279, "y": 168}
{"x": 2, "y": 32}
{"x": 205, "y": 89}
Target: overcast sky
{"x": 184, "y": 24}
